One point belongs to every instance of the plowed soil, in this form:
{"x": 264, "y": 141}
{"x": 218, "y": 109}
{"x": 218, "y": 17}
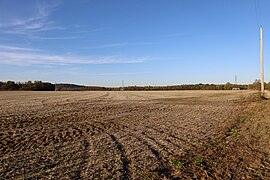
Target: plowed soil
{"x": 112, "y": 135}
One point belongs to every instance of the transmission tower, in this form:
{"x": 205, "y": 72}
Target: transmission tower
{"x": 123, "y": 86}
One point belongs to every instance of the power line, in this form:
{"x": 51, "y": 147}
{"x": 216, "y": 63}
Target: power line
{"x": 260, "y": 15}
{"x": 256, "y": 11}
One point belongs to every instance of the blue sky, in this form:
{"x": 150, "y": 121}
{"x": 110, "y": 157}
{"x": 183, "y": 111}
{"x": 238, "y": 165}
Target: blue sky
{"x": 144, "y": 42}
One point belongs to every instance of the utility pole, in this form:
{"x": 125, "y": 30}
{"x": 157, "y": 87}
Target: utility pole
{"x": 261, "y": 61}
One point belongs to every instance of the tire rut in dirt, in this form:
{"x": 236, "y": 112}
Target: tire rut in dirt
{"x": 125, "y": 161}
{"x": 145, "y": 147}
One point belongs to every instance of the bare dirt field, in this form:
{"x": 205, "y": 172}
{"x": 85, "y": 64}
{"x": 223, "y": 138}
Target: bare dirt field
{"x": 134, "y": 135}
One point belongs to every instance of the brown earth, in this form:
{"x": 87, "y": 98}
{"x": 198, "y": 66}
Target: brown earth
{"x": 134, "y": 135}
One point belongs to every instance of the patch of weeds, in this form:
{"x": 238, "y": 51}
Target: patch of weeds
{"x": 199, "y": 162}
{"x": 178, "y": 164}
{"x": 233, "y": 132}
{"x": 259, "y": 175}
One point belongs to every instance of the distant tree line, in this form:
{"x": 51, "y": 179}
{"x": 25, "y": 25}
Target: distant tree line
{"x": 27, "y": 86}
{"x": 45, "y": 86}
{"x": 257, "y": 85}
{"x": 75, "y": 87}
{"x": 227, "y": 86}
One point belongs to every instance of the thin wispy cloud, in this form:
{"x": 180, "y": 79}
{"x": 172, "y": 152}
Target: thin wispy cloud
{"x": 72, "y": 35}
{"x": 14, "y": 48}
{"x": 104, "y": 46}
{"x": 55, "y": 37}
{"x": 88, "y": 31}
{"x": 119, "y": 74}
{"x": 37, "y": 20}
{"x": 82, "y": 72}
{"x": 27, "y": 57}
{"x": 114, "y": 45}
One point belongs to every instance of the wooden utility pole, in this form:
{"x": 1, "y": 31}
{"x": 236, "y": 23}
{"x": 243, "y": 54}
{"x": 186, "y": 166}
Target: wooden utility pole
{"x": 261, "y": 61}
